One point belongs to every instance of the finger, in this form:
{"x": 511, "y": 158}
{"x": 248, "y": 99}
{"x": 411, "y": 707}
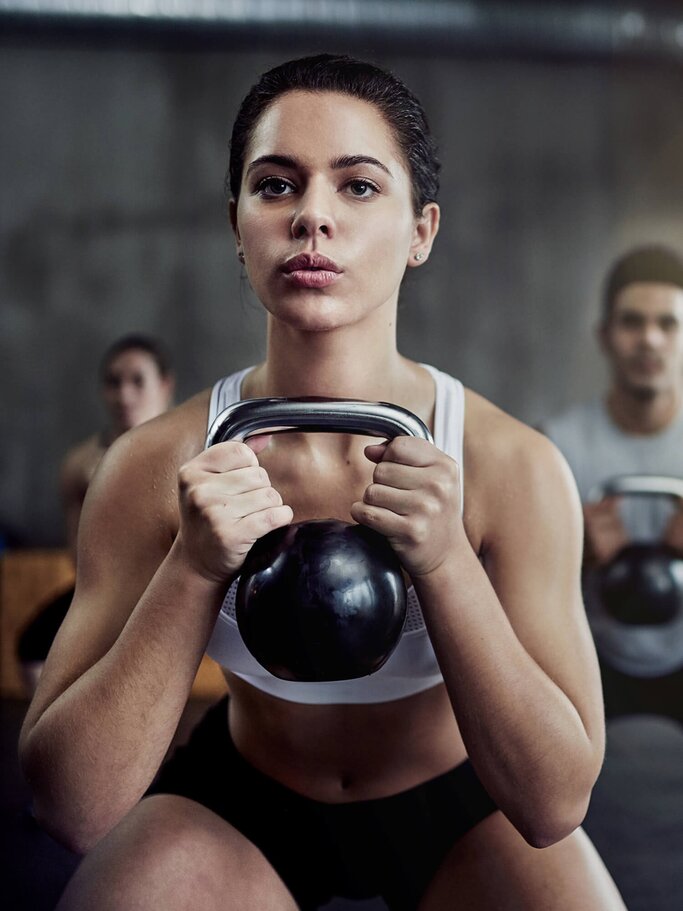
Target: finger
{"x": 258, "y": 524}
{"x": 400, "y": 501}
{"x": 237, "y": 480}
{"x": 224, "y": 457}
{"x": 384, "y": 521}
{"x": 255, "y": 501}
{"x": 375, "y": 452}
{"x": 202, "y": 488}
{"x": 258, "y": 442}
{"x": 402, "y": 477}
{"x": 405, "y": 450}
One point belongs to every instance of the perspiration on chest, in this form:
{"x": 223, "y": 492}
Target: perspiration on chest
{"x": 314, "y": 483}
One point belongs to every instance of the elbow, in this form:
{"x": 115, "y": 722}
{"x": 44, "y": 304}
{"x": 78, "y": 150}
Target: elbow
{"x": 553, "y": 823}
{"x": 69, "y": 836}
{"x": 55, "y": 810}
{"x": 78, "y": 833}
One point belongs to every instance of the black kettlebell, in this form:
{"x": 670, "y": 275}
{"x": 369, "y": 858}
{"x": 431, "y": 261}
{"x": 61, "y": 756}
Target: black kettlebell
{"x": 320, "y": 600}
{"x": 643, "y": 584}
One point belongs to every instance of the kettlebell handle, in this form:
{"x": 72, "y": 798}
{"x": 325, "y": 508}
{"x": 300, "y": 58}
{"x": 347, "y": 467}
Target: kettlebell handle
{"x": 637, "y": 485}
{"x": 315, "y": 414}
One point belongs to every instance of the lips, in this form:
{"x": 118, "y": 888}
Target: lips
{"x": 310, "y": 262}
{"x": 311, "y": 270}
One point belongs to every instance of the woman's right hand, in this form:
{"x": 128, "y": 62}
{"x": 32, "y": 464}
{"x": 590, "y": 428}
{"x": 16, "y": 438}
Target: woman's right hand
{"x": 226, "y": 503}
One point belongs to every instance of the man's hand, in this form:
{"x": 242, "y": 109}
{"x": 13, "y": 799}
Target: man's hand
{"x": 605, "y": 534}
{"x": 673, "y": 533}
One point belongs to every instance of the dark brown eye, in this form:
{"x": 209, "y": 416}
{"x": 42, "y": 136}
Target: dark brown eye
{"x": 363, "y": 189}
{"x": 274, "y": 186}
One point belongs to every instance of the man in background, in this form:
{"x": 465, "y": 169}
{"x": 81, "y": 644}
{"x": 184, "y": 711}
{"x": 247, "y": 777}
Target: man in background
{"x": 635, "y": 427}
{"x": 136, "y": 384}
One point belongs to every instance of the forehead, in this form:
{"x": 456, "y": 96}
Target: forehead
{"x": 135, "y": 359}
{"x": 312, "y": 125}
{"x": 650, "y": 298}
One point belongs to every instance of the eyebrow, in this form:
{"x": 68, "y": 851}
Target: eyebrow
{"x": 338, "y": 164}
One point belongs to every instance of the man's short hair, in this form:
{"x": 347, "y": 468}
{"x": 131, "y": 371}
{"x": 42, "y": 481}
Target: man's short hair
{"x": 656, "y": 264}
{"x": 137, "y": 341}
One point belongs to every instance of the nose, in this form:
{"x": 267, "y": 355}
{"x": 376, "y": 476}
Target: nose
{"x": 314, "y": 216}
{"x": 652, "y": 335}
{"x": 128, "y": 394}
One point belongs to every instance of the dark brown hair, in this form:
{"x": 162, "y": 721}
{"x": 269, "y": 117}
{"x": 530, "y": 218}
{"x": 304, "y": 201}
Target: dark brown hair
{"x": 348, "y": 76}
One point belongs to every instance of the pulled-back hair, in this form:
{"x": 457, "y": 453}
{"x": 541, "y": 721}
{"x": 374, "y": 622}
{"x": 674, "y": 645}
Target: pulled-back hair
{"x": 642, "y": 264}
{"x": 137, "y": 341}
{"x": 348, "y": 76}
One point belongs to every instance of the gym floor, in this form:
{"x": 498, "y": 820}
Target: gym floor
{"x": 635, "y": 818}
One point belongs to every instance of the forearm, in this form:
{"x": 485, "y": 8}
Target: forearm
{"x": 525, "y": 737}
{"x": 93, "y": 752}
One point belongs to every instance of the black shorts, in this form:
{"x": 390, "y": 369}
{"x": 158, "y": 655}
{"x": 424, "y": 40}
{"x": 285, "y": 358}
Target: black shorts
{"x": 391, "y": 846}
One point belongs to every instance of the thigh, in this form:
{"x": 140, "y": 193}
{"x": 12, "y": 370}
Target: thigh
{"x": 172, "y": 853}
{"x": 492, "y": 868}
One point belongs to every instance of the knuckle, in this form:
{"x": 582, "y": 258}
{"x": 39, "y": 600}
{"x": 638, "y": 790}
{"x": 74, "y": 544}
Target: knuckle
{"x": 194, "y": 496}
{"x": 380, "y": 473}
{"x": 185, "y": 474}
{"x": 272, "y": 519}
{"x": 419, "y": 531}
{"x": 372, "y": 494}
{"x": 400, "y": 446}
{"x": 272, "y": 496}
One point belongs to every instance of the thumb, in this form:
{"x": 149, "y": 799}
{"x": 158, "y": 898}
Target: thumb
{"x": 258, "y": 442}
{"x": 375, "y": 452}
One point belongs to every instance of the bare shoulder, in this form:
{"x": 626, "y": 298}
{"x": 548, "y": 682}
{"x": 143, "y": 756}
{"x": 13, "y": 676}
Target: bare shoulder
{"x": 509, "y": 467}
{"x": 139, "y": 470}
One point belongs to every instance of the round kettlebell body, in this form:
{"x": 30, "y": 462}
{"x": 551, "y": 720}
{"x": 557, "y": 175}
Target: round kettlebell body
{"x": 321, "y": 600}
{"x": 643, "y": 585}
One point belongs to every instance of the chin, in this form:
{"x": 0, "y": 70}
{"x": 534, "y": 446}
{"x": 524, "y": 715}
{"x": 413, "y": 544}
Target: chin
{"x": 316, "y": 317}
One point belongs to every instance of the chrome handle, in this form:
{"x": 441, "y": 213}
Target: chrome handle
{"x": 637, "y": 485}
{"x": 314, "y": 414}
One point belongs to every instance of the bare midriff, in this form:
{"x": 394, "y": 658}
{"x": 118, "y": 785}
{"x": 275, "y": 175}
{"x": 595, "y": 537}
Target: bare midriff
{"x": 342, "y": 753}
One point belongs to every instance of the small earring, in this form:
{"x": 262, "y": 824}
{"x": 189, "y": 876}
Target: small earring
{"x": 419, "y": 256}
{"x": 240, "y": 256}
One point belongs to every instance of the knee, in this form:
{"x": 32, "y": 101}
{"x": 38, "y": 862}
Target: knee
{"x": 164, "y": 854}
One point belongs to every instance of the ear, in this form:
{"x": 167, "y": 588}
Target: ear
{"x": 425, "y": 231}
{"x": 232, "y": 212}
{"x": 169, "y": 383}
{"x": 602, "y": 336}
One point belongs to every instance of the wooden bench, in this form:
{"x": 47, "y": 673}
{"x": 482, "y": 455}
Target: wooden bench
{"x": 28, "y": 579}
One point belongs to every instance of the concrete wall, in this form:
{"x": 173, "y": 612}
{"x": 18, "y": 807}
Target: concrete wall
{"x": 112, "y": 219}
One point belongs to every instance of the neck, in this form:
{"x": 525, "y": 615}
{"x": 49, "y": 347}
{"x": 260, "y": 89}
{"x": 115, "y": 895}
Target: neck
{"x": 347, "y": 362}
{"x": 642, "y": 415}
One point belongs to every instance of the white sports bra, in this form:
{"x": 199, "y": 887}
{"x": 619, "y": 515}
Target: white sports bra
{"x": 412, "y": 666}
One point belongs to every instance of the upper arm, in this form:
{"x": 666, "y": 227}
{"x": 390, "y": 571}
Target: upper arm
{"x": 126, "y": 529}
{"x": 532, "y": 550}
{"x": 73, "y": 486}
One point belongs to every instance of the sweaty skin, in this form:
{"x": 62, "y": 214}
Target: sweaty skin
{"x": 166, "y": 526}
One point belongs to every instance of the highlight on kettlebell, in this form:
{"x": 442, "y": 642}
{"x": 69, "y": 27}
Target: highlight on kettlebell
{"x": 320, "y": 600}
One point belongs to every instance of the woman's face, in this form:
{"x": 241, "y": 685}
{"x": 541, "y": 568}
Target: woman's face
{"x": 325, "y": 217}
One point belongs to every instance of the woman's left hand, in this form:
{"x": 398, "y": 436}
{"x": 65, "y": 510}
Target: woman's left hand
{"x": 414, "y": 501}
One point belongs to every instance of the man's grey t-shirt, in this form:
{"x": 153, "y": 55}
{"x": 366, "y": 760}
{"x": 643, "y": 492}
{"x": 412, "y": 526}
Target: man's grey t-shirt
{"x": 597, "y": 450}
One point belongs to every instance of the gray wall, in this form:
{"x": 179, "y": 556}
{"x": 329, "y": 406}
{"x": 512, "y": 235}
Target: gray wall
{"x": 112, "y": 219}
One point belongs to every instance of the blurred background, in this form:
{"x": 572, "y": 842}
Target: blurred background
{"x": 560, "y": 127}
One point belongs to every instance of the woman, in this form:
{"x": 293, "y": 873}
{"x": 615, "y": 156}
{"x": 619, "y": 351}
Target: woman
{"x": 434, "y": 781}
{"x": 136, "y": 384}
